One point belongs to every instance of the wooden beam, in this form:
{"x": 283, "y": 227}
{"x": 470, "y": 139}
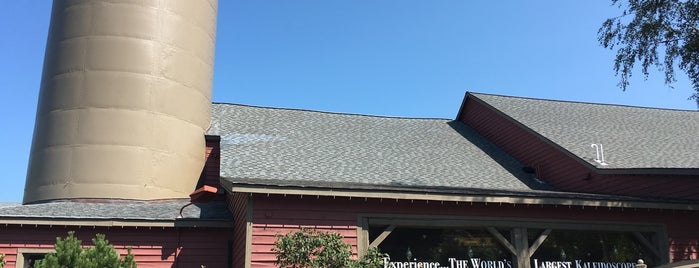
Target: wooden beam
{"x": 647, "y": 244}
{"x": 508, "y": 222}
{"x": 382, "y": 236}
{"x": 503, "y": 241}
{"x": 405, "y": 195}
{"x": 540, "y": 240}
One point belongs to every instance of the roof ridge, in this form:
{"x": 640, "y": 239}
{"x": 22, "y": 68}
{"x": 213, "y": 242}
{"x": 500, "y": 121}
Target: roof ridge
{"x": 583, "y": 102}
{"x": 329, "y": 112}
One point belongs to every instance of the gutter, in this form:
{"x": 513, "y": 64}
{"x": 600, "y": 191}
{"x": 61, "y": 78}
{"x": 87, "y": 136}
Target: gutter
{"x": 453, "y": 197}
{"x": 115, "y": 223}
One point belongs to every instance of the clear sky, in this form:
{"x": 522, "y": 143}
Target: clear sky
{"x": 411, "y": 58}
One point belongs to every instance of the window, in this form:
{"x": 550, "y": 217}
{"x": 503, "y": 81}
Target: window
{"x": 585, "y": 247}
{"x": 26, "y": 257}
{"x": 436, "y": 241}
{"x": 440, "y": 244}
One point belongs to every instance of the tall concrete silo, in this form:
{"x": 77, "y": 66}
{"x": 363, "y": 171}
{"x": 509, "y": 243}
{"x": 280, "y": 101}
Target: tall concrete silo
{"x": 125, "y": 100}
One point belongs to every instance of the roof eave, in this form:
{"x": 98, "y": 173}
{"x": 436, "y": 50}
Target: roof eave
{"x": 450, "y": 197}
{"x": 648, "y": 171}
{"x": 175, "y": 223}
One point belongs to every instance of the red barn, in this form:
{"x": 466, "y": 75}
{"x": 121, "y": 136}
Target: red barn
{"x": 511, "y": 182}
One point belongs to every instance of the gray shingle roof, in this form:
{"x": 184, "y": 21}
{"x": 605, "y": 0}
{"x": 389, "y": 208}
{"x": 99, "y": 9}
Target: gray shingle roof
{"x": 161, "y": 210}
{"x": 632, "y": 137}
{"x": 9, "y": 204}
{"x": 306, "y": 148}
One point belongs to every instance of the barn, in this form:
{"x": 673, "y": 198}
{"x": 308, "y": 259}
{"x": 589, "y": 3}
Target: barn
{"x": 128, "y": 143}
{"x": 511, "y": 182}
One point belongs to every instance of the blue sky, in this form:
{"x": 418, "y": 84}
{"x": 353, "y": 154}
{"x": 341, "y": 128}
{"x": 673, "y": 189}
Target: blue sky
{"x": 398, "y": 58}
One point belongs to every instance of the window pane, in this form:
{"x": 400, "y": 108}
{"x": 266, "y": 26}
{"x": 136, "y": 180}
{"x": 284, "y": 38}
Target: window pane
{"x": 31, "y": 258}
{"x": 592, "y": 246}
{"x": 438, "y": 245}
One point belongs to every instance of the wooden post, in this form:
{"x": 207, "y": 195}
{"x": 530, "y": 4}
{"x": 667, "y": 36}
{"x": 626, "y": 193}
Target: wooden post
{"x": 521, "y": 245}
{"x": 362, "y": 235}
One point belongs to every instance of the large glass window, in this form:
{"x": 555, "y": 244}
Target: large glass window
{"x": 502, "y": 243}
{"x": 440, "y": 244}
{"x": 582, "y": 248}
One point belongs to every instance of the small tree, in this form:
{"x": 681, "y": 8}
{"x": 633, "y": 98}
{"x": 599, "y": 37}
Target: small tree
{"x": 313, "y": 249}
{"x": 70, "y": 253}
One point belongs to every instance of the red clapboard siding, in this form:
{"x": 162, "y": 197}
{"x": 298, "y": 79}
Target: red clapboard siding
{"x": 277, "y": 214}
{"x": 212, "y": 166}
{"x": 152, "y": 247}
{"x": 552, "y": 165}
{"x": 562, "y": 170}
{"x": 274, "y": 216}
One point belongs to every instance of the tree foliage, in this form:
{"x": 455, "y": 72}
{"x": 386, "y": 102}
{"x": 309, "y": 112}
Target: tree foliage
{"x": 2, "y": 260}
{"x": 372, "y": 258}
{"x": 657, "y": 33}
{"x": 70, "y": 253}
{"x": 313, "y": 249}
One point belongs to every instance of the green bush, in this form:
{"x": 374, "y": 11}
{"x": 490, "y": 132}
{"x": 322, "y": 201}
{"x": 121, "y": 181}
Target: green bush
{"x": 2, "y": 260}
{"x": 373, "y": 258}
{"x": 313, "y": 249}
{"x": 70, "y": 253}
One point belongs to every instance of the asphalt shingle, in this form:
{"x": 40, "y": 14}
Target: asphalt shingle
{"x": 106, "y": 209}
{"x": 271, "y": 145}
{"x": 632, "y": 137}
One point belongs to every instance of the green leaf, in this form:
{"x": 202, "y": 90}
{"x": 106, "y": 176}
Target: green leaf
{"x": 70, "y": 253}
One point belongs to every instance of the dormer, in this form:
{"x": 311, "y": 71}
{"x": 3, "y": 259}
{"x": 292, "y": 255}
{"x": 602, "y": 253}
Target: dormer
{"x": 594, "y": 148}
